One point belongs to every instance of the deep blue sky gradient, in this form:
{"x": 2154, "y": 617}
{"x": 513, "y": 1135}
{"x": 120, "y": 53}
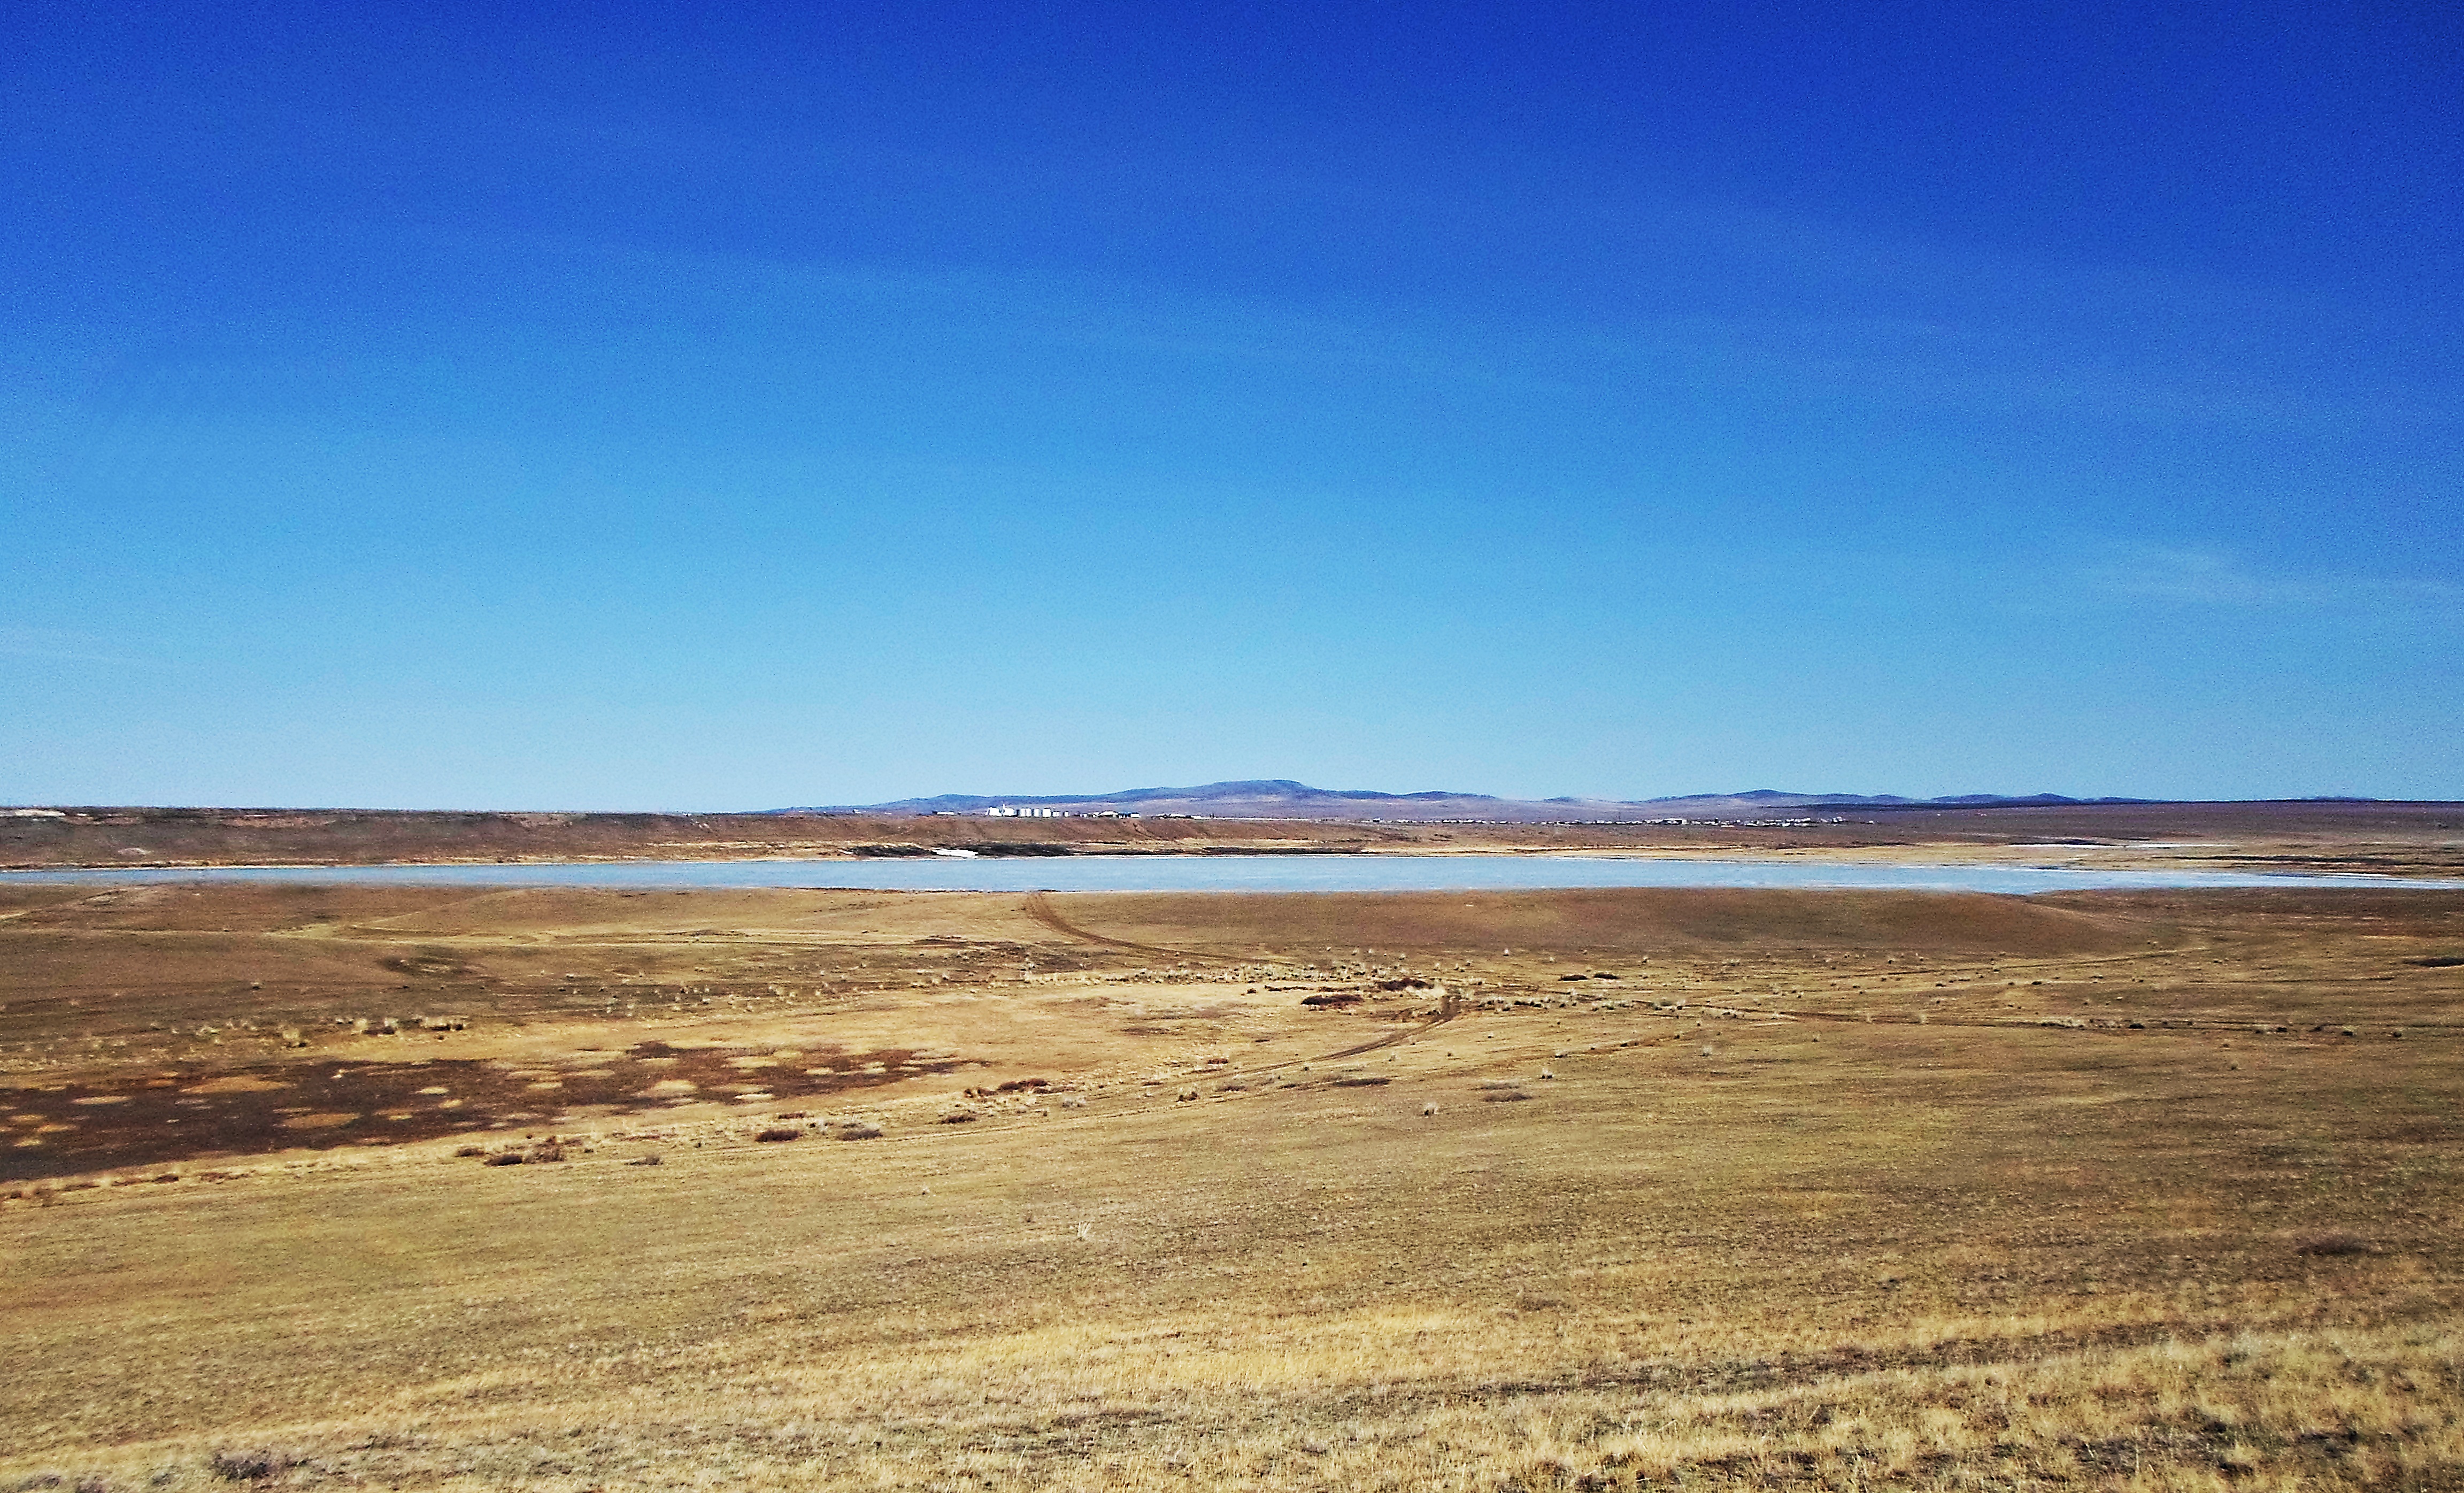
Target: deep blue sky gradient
{"x": 461, "y": 406}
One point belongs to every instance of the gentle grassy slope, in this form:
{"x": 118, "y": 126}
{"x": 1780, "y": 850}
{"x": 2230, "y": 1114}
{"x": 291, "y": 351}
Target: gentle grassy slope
{"x": 1757, "y": 1249}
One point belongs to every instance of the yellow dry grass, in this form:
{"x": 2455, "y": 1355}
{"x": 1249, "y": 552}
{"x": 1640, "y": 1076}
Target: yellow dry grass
{"x": 1830, "y": 1253}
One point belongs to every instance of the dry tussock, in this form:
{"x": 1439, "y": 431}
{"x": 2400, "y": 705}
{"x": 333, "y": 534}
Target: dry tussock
{"x": 1412, "y": 1402}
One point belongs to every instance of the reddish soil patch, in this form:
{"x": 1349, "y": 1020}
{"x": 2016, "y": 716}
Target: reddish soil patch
{"x": 1617, "y": 920}
{"x": 179, "y": 1111}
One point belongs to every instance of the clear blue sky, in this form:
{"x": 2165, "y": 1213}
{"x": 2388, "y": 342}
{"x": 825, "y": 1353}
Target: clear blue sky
{"x": 596, "y": 406}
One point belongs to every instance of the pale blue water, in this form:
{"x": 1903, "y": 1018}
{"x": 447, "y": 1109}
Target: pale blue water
{"x": 1238, "y": 873}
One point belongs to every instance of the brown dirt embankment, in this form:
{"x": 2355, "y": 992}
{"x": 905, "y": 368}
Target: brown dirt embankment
{"x": 2396, "y": 839}
{"x": 122, "y": 836}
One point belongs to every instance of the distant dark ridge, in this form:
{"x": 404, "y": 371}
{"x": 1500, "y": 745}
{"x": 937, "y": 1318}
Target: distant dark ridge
{"x": 1271, "y": 797}
{"x": 1242, "y": 790}
{"x": 1974, "y": 800}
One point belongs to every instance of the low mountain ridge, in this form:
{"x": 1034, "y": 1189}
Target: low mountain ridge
{"x": 1283, "y": 797}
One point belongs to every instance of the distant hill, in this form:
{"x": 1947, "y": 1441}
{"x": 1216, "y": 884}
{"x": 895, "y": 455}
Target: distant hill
{"x": 1281, "y": 798}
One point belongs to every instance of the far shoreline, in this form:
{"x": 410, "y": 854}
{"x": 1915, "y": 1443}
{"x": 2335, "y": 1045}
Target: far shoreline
{"x": 1237, "y": 874}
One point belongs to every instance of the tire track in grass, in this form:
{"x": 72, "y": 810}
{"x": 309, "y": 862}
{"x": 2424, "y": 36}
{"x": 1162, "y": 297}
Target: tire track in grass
{"x": 1039, "y": 907}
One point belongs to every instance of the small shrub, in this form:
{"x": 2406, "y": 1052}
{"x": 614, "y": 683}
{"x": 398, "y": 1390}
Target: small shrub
{"x": 470, "y": 1150}
{"x": 2334, "y": 1245}
{"x": 1504, "y": 1096}
{"x": 778, "y": 1132}
{"x": 246, "y": 1466}
{"x": 859, "y": 1130}
{"x": 960, "y": 1117}
{"x": 644, "y": 1161}
{"x": 505, "y": 1159}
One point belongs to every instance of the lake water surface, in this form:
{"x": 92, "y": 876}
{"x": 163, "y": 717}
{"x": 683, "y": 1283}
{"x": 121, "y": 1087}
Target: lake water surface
{"x": 1236, "y": 874}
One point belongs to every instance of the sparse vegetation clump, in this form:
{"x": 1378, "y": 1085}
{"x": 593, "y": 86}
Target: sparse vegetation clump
{"x": 247, "y": 1466}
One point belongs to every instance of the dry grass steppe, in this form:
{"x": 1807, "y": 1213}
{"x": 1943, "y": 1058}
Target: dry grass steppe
{"x": 1541, "y": 1190}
